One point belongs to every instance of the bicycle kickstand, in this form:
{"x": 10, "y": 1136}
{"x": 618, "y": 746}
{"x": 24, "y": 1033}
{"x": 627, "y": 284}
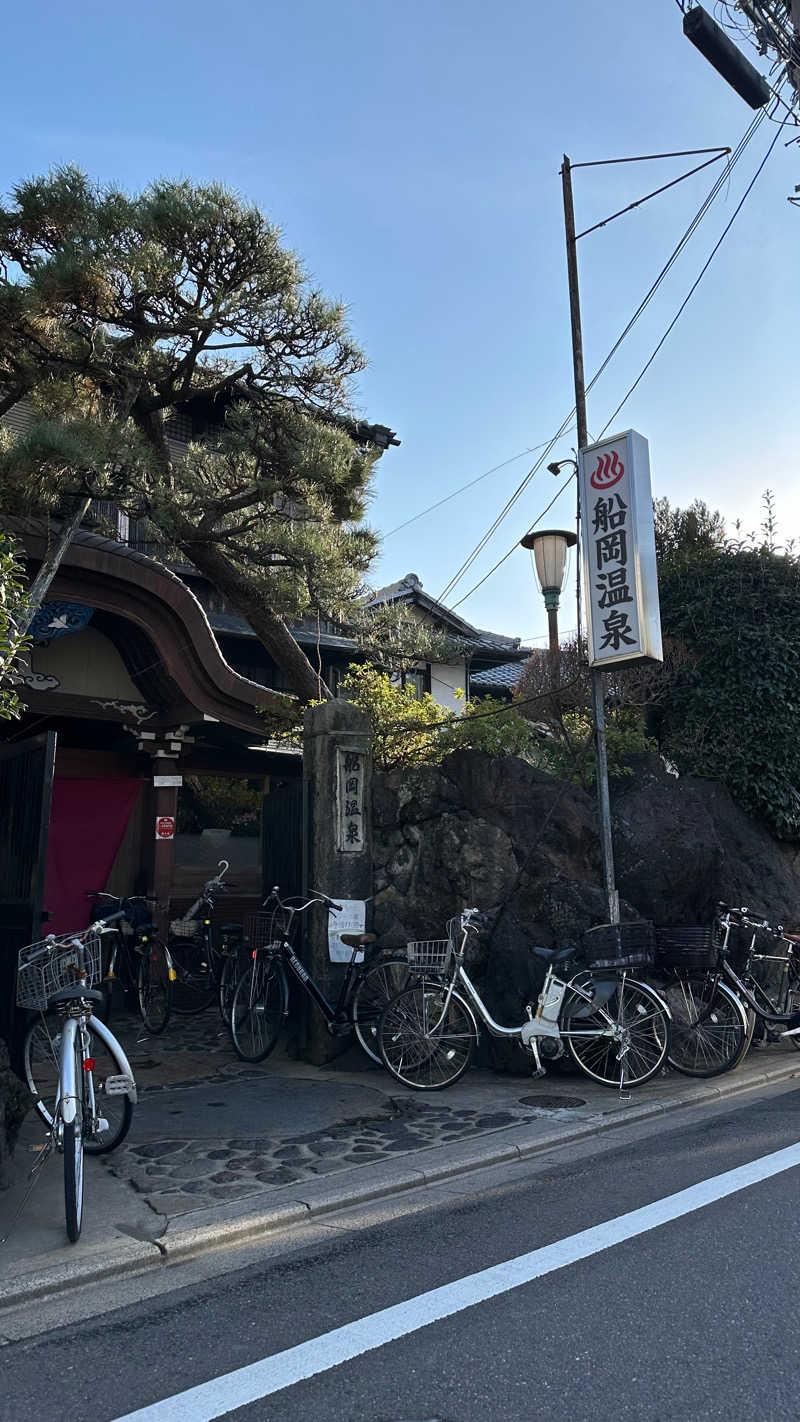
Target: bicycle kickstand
{"x": 538, "y": 1069}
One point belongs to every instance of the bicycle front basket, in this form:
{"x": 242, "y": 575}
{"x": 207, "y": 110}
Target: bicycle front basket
{"x": 431, "y": 954}
{"x": 270, "y": 926}
{"x": 619, "y": 945}
{"x": 44, "y": 968}
{"x": 185, "y": 928}
{"x": 690, "y": 949}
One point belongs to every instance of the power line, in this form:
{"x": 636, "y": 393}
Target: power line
{"x": 470, "y": 485}
{"x": 671, "y": 326}
{"x": 699, "y": 278}
{"x": 689, "y": 232}
{"x": 515, "y": 545}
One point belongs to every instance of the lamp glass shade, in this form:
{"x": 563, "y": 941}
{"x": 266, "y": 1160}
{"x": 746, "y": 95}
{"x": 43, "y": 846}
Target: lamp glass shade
{"x": 550, "y": 560}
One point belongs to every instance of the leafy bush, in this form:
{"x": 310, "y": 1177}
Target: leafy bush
{"x": 731, "y": 709}
{"x": 569, "y": 752}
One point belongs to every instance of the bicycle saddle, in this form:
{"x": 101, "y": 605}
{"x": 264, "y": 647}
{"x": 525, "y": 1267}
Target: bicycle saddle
{"x": 358, "y": 940}
{"x": 554, "y": 955}
{"x": 74, "y": 994}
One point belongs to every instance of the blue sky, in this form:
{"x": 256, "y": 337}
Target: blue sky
{"x": 411, "y": 154}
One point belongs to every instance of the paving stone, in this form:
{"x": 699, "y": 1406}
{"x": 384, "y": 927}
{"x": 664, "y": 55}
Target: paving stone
{"x": 223, "y": 1177}
{"x": 290, "y": 1153}
{"x": 218, "y": 1154}
{"x": 281, "y": 1176}
{"x": 188, "y": 1171}
{"x": 171, "y": 1203}
{"x": 328, "y": 1147}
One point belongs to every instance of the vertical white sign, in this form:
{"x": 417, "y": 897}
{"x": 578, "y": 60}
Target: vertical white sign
{"x": 618, "y": 551}
{"x": 349, "y": 800}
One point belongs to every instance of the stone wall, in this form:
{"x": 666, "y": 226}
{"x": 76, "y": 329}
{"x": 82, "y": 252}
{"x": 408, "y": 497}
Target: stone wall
{"x": 523, "y": 847}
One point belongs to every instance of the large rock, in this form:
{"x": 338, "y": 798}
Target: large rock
{"x": 682, "y": 845}
{"x": 15, "y": 1102}
{"x": 523, "y": 847}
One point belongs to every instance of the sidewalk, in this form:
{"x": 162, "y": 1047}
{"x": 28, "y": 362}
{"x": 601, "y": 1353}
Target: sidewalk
{"x": 221, "y": 1151}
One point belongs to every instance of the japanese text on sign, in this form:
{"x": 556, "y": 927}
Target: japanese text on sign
{"x": 618, "y": 551}
{"x": 350, "y": 801}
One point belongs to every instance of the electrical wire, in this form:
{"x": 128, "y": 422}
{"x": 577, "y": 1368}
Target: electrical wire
{"x": 714, "y": 191}
{"x": 470, "y": 485}
{"x": 515, "y": 545}
{"x": 692, "y": 226}
{"x": 699, "y": 278}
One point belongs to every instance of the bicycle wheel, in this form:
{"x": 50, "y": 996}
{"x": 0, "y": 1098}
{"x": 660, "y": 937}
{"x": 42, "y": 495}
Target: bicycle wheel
{"x": 258, "y": 1010}
{"x": 793, "y": 996}
{"x": 423, "y": 1044}
{"x": 72, "y": 1141}
{"x": 41, "y": 1065}
{"x": 153, "y": 986}
{"x": 112, "y": 956}
{"x": 228, "y": 979}
{"x": 380, "y": 983}
{"x": 710, "y": 1032}
{"x": 635, "y": 1036}
{"x": 194, "y": 987}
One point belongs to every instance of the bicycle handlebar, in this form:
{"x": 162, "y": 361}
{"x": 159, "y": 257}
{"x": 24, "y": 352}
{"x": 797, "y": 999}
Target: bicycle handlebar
{"x": 318, "y": 897}
{"x": 745, "y": 919}
{"x": 101, "y": 924}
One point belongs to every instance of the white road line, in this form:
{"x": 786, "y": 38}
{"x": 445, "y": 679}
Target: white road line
{"x": 224, "y": 1394}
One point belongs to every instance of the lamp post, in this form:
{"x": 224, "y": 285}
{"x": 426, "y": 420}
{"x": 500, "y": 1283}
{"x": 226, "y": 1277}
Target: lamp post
{"x": 549, "y": 550}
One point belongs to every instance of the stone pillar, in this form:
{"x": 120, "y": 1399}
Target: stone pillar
{"x": 337, "y": 774}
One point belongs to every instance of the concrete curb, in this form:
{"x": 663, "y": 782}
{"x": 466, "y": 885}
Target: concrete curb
{"x": 219, "y": 1227}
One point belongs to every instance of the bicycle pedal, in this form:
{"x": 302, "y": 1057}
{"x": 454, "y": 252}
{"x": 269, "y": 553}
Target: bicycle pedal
{"x": 119, "y": 1086}
{"x": 100, "y": 1124}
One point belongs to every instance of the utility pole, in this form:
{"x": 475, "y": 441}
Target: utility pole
{"x": 598, "y": 676}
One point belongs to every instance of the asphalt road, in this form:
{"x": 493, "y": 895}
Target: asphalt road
{"x": 692, "y": 1319}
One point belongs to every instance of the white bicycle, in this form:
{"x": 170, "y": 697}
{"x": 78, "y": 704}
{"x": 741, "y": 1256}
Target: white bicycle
{"x": 616, "y": 1029}
{"x": 76, "y": 1070}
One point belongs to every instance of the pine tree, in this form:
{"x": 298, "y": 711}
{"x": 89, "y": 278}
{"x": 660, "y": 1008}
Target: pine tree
{"x": 118, "y": 311}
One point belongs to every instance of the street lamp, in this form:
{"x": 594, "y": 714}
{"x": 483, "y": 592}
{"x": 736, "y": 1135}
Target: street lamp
{"x": 549, "y": 557}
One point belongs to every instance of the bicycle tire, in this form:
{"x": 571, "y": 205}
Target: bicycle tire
{"x": 635, "y": 1008}
{"x": 194, "y": 986}
{"x": 228, "y": 979}
{"x": 72, "y": 1141}
{"x": 258, "y": 1010}
{"x": 793, "y": 997}
{"x": 380, "y": 983}
{"x": 420, "y": 1051}
{"x": 41, "y": 1066}
{"x": 154, "y": 987}
{"x": 708, "y": 1037}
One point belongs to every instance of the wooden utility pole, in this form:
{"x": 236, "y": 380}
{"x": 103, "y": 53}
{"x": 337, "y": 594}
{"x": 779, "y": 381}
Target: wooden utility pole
{"x": 598, "y": 676}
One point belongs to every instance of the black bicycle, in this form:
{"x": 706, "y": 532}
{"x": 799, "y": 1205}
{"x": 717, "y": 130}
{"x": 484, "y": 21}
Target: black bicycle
{"x": 261, "y": 998}
{"x": 716, "y": 991}
{"x": 137, "y": 959}
{"x": 199, "y": 951}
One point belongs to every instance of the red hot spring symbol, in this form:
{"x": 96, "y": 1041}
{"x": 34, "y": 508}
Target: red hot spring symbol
{"x": 609, "y": 471}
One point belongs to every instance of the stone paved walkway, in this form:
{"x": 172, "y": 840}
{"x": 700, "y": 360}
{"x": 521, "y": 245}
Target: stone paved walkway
{"x": 184, "y": 1158}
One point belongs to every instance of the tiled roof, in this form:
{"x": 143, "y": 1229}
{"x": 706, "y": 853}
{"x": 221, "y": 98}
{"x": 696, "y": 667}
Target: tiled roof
{"x": 505, "y": 677}
{"x": 410, "y": 589}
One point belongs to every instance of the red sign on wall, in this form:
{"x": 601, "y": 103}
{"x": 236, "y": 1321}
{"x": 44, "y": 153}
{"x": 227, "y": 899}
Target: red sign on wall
{"x": 165, "y": 826}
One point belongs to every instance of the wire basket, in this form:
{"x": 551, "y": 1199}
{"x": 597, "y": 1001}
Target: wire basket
{"x": 261, "y": 930}
{"x": 619, "y": 945}
{"x": 44, "y": 968}
{"x": 430, "y": 954}
{"x": 689, "y": 949}
{"x": 188, "y": 928}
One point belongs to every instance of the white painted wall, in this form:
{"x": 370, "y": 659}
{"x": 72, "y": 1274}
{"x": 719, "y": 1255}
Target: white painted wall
{"x": 445, "y": 681}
